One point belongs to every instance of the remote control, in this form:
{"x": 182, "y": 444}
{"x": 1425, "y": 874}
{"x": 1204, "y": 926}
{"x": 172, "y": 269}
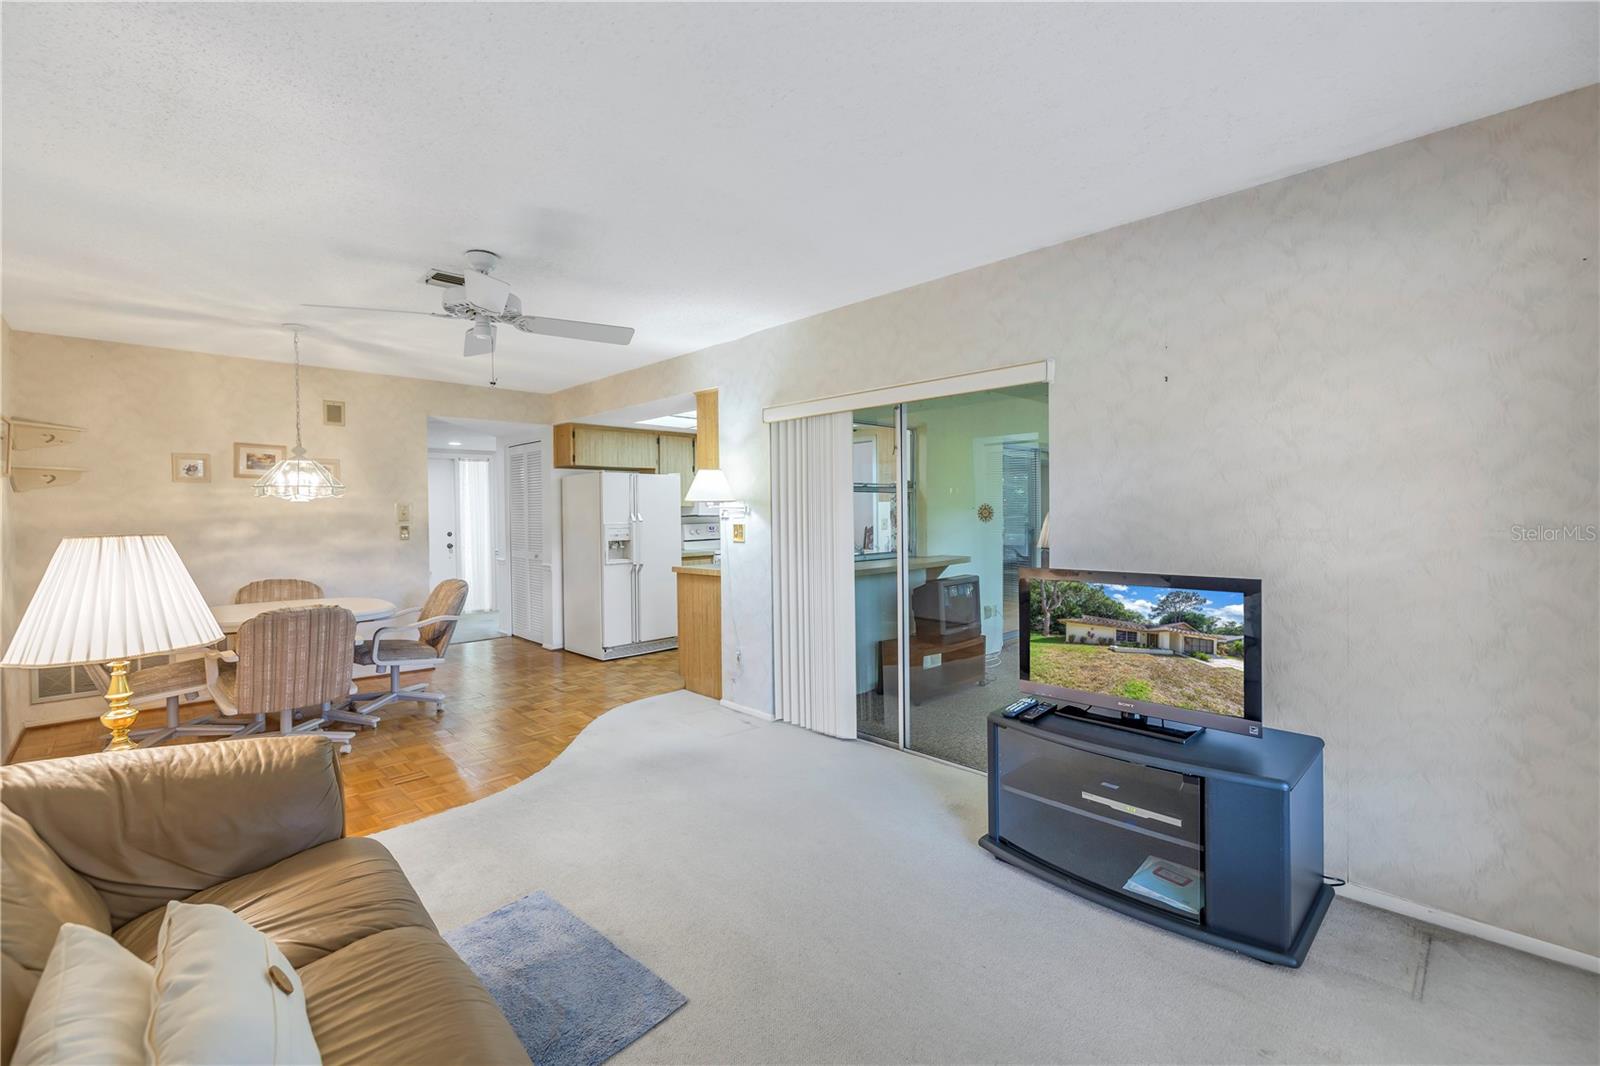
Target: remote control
{"x": 1019, "y": 707}
{"x": 1036, "y": 713}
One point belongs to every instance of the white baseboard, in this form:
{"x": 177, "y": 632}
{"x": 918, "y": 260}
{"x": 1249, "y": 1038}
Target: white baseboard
{"x": 765, "y": 716}
{"x": 1472, "y": 927}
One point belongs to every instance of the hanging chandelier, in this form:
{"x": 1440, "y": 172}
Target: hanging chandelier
{"x": 298, "y": 479}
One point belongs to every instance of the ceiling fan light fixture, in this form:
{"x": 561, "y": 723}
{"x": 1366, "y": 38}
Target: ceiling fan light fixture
{"x": 480, "y": 338}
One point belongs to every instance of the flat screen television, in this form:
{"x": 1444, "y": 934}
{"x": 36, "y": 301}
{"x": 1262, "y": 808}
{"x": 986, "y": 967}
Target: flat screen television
{"x": 1181, "y": 649}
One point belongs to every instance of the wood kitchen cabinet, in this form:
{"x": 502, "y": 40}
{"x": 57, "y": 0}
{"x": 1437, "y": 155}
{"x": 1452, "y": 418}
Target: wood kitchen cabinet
{"x": 581, "y": 447}
{"x": 700, "y": 629}
{"x": 677, "y": 457}
{"x": 600, "y": 447}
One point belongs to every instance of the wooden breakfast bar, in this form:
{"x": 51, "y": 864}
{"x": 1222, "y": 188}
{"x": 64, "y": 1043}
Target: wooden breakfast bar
{"x": 700, "y": 628}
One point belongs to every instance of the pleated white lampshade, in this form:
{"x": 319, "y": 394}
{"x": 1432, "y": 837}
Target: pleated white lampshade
{"x": 109, "y": 598}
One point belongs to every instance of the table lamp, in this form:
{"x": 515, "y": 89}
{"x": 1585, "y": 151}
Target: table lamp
{"x": 108, "y": 600}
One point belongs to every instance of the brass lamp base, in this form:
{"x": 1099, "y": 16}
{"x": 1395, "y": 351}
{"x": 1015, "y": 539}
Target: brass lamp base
{"x": 120, "y": 716}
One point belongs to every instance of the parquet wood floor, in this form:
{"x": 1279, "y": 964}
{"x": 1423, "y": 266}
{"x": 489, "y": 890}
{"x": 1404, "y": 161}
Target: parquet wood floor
{"x": 513, "y": 707}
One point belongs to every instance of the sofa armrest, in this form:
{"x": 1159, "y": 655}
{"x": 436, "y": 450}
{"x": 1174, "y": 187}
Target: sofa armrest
{"x": 157, "y": 824}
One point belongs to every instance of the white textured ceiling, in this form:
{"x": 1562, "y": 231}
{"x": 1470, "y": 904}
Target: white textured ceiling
{"x": 187, "y": 175}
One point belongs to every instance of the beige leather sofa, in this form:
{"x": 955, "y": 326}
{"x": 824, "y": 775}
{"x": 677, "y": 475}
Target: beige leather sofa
{"x": 257, "y": 826}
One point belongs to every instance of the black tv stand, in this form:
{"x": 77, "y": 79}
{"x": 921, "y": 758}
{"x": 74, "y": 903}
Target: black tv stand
{"x": 1145, "y": 726}
{"x": 1112, "y": 814}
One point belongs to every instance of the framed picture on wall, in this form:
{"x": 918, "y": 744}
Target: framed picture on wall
{"x": 332, "y": 413}
{"x": 191, "y": 466}
{"x": 253, "y": 460}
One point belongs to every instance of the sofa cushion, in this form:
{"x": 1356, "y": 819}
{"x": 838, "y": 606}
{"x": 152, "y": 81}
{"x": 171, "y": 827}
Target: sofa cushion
{"x": 156, "y": 824}
{"x": 39, "y": 894}
{"x": 310, "y": 904}
{"x": 404, "y": 996}
{"x": 17, "y": 986}
{"x": 223, "y": 994}
{"x": 91, "y": 1006}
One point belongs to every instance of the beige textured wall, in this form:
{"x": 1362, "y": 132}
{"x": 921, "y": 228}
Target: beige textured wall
{"x": 1397, "y": 358}
{"x": 139, "y": 405}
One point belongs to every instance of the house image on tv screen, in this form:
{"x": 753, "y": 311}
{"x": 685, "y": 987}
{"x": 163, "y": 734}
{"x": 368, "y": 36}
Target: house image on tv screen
{"x": 1174, "y": 638}
{"x": 1173, "y": 646}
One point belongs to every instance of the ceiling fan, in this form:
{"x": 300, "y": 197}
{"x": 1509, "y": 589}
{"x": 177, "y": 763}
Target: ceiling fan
{"x": 475, "y": 296}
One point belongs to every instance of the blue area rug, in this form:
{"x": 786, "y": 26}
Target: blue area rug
{"x": 573, "y": 997}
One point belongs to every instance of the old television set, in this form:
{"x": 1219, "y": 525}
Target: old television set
{"x": 1133, "y": 650}
{"x": 947, "y": 608}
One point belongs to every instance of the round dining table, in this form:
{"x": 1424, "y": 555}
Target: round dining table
{"x": 230, "y": 616}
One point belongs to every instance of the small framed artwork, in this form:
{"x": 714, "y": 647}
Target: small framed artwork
{"x": 333, "y": 467}
{"x": 332, "y": 413}
{"x": 191, "y": 466}
{"x": 253, "y": 460}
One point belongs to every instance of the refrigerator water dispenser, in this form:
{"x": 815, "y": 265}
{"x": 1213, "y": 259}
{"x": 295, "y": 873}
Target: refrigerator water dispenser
{"x": 619, "y": 542}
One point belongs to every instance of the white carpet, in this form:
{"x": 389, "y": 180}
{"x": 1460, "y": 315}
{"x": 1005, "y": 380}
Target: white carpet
{"x": 825, "y": 901}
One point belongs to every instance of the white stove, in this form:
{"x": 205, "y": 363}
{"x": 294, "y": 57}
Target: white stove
{"x": 702, "y": 535}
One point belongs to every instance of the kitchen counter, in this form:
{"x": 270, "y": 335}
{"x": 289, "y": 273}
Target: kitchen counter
{"x": 934, "y": 564}
{"x": 700, "y": 628}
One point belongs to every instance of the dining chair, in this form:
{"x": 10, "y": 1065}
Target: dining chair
{"x": 169, "y": 683}
{"x": 285, "y": 661}
{"x": 435, "y": 626}
{"x": 273, "y": 589}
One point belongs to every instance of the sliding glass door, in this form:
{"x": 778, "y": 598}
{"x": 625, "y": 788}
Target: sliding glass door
{"x": 936, "y": 607}
{"x": 875, "y": 468}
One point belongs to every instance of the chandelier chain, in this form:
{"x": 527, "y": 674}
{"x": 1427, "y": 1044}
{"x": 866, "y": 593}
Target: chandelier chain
{"x": 297, "y": 443}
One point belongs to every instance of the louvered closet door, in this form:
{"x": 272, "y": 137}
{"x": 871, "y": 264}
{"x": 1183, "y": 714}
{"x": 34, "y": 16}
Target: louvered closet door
{"x": 530, "y": 573}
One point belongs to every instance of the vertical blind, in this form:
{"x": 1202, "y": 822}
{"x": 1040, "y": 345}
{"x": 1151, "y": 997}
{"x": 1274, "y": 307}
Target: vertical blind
{"x": 813, "y": 574}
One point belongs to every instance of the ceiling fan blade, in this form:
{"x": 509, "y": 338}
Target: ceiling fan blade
{"x": 578, "y": 331}
{"x": 379, "y": 310}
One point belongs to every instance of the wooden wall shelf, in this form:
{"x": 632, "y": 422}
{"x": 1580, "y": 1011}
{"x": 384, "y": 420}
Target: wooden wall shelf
{"x": 25, "y": 435}
{"x": 29, "y": 478}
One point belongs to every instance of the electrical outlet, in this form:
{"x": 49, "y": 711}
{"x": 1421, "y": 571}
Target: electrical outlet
{"x": 405, "y": 531}
{"x": 738, "y": 532}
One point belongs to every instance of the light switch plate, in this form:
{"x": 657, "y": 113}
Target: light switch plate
{"x": 405, "y": 531}
{"x": 402, "y": 513}
{"x": 738, "y": 532}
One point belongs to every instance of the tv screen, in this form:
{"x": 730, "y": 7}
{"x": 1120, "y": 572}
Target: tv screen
{"x": 1181, "y": 649}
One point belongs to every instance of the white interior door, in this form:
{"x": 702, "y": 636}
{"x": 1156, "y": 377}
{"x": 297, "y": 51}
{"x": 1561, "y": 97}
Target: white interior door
{"x": 530, "y": 572}
{"x": 441, "y": 520}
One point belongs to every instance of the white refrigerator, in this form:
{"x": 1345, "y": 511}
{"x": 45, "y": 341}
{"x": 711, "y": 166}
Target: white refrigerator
{"x": 621, "y": 535}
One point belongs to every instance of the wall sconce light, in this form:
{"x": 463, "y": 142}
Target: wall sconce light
{"x": 711, "y": 486}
